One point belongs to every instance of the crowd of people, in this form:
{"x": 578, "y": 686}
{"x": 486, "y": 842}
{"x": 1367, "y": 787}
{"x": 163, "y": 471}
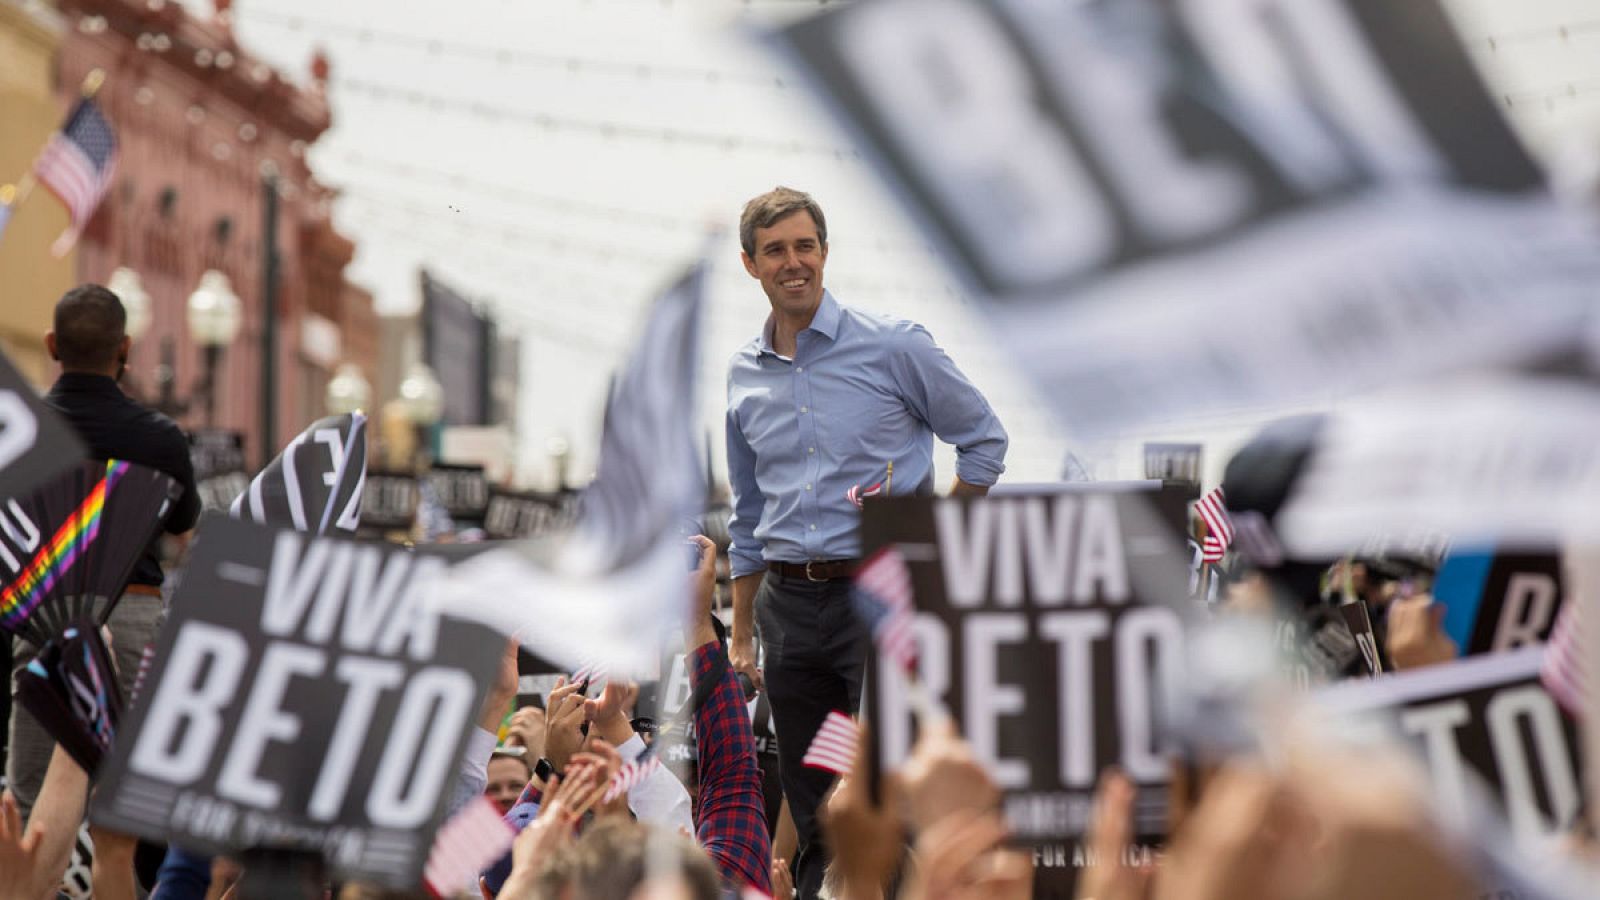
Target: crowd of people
{"x": 827, "y": 405}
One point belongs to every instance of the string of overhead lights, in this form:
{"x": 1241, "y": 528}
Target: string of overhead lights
{"x": 570, "y": 64}
{"x": 603, "y": 128}
{"x": 1566, "y": 32}
{"x": 1572, "y": 91}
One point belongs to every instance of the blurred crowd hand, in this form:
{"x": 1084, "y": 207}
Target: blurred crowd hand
{"x": 503, "y": 691}
{"x": 702, "y": 588}
{"x": 1416, "y": 633}
{"x": 609, "y": 712}
{"x": 24, "y": 873}
{"x": 1109, "y": 876}
{"x": 944, "y": 778}
{"x": 1331, "y": 826}
{"x": 527, "y": 730}
{"x": 1251, "y": 594}
{"x": 782, "y": 880}
{"x": 867, "y": 837}
{"x": 960, "y": 857}
{"x": 550, "y": 833}
{"x": 565, "y": 713}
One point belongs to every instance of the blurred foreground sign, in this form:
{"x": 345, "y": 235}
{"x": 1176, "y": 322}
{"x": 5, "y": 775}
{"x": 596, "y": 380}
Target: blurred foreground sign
{"x": 34, "y": 442}
{"x": 1486, "y": 720}
{"x": 1049, "y": 626}
{"x": 302, "y": 698}
{"x": 1176, "y": 209}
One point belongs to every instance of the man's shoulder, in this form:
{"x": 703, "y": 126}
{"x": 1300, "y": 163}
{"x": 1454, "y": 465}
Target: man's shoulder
{"x": 746, "y": 354}
{"x": 877, "y": 326}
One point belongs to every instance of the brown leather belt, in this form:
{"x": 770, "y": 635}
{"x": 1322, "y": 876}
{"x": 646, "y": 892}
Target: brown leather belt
{"x": 817, "y": 569}
{"x": 148, "y": 590}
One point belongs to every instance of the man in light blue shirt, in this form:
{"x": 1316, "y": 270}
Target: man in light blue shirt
{"x": 826, "y": 399}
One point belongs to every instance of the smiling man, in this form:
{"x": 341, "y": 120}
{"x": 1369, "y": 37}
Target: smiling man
{"x": 827, "y": 404}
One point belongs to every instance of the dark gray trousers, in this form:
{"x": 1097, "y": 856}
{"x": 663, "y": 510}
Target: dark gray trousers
{"x": 815, "y": 648}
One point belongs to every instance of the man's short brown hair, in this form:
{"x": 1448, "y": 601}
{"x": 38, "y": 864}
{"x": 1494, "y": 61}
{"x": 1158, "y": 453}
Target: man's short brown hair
{"x": 764, "y": 210}
{"x": 89, "y": 326}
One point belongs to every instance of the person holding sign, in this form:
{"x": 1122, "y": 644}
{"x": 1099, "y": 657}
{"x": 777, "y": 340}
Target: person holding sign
{"x": 828, "y": 403}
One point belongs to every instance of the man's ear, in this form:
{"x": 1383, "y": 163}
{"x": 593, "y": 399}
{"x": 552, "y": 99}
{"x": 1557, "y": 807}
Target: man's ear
{"x": 123, "y": 350}
{"x": 749, "y": 264}
{"x": 50, "y": 345}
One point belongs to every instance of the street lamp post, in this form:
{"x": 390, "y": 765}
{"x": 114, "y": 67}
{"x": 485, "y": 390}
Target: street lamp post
{"x": 215, "y": 315}
{"x": 423, "y": 400}
{"x": 348, "y": 390}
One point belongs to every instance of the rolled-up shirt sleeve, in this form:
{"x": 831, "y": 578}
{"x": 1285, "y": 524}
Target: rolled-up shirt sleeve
{"x": 744, "y": 551}
{"x": 954, "y": 409}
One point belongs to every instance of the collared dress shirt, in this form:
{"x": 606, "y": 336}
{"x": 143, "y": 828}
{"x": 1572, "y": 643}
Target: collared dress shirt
{"x": 115, "y": 427}
{"x": 862, "y": 391}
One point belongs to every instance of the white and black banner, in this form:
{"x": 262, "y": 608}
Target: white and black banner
{"x": 315, "y": 484}
{"x": 462, "y": 490}
{"x": 35, "y": 444}
{"x": 1174, "y": 210}
{"x": 220, "y": 472}
{"x": 302, "y": 698}
{"x": 1052, "y": 627}
{"x": 1484, "y": 720}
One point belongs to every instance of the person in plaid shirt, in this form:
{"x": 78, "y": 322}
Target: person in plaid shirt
{"x": 729, "y": 813}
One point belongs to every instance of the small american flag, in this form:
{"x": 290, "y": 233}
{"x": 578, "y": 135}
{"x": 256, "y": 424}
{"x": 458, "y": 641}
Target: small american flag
{"x": 1563, "y": 669}
{"x": 76, "y": 165}
{"x": 883, "y": 598}
{"x": 856, "y": 493}
{"x": 474, "y": 838}
{"x": 834, "y": 747}
{"x": 591, "y": 672}
{"x": 1219, "y": 527}
{"x": 630, "y": 776}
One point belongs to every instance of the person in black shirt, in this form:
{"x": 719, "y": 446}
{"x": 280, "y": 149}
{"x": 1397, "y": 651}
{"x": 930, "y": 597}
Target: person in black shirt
{"x": 90, "y": 341}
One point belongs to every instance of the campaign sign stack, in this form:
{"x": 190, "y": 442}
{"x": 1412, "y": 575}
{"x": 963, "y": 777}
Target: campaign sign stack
{"x": 1051, "y": 626}
{"x": 302, "y": 699}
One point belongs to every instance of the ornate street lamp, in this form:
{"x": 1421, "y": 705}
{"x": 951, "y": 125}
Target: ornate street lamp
{"x": 422, "y": 398}
{"x": 126, "y": 285}
{"x": 215, "y": 315}
{"x": 348, "y": 390}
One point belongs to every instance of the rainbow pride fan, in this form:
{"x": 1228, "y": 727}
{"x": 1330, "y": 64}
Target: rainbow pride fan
{"x": 67, "y": 550}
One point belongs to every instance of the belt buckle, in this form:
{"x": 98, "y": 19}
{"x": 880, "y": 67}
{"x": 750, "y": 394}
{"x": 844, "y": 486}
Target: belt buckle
{"x": 809, "y": 576}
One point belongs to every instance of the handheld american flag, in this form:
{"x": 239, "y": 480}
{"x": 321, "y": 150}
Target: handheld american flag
{"x": 1219, "y": 527}
{"x": 474, "y": 837}
{"x": 834, "y": 747}
{"x": 630, "y": 776}
{"x": 856, "y": 493}
{"x": 1563, "y": 669}
{"x": 882, "y": 597}
{"x": 77, "y": 165}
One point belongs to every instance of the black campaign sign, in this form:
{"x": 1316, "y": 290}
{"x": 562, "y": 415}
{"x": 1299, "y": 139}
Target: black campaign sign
{"x": 219, "y": 466}
{"x": 302, "y": 698}
{"x": 34, "y": 443}
{"x": 1043, "y": 625}
{"x": 1487, "y": 717}
{"x": 389, "y": 502}
{"x": 516, "y": 515}
{"x": 463, "y": 491}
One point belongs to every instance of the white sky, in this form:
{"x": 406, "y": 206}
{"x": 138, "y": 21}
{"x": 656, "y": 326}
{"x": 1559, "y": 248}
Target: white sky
{"x": 573, "y": 275}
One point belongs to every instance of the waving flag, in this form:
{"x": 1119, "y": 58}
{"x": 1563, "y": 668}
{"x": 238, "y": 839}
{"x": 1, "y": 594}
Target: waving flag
{"x": 855, "y": 495}
{"x": 630, "y": 776}
{"x": 883, "y": 598}
{"x": 834, "y": 747}
{"x": 1563, "y": 669}
{"x": 77, "y": 165}
{"x": 583, "y": 600}
{"x": 1219, "y": 527}
{"x": 316, "y": 482}
{"x": 473, "y": 838}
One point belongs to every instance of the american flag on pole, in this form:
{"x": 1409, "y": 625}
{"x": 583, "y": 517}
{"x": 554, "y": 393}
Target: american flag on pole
{"x": 630, "y": 776}
{"x": 856, "y": 493}
{"x": 77, "y": 165}
{"x": 1563, "y": 669}
{"x": 882, "y": 597}
{"x": 1219, "y": 527}
{"x": 834, "y": 747}
{"x": 475, "y": 837}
